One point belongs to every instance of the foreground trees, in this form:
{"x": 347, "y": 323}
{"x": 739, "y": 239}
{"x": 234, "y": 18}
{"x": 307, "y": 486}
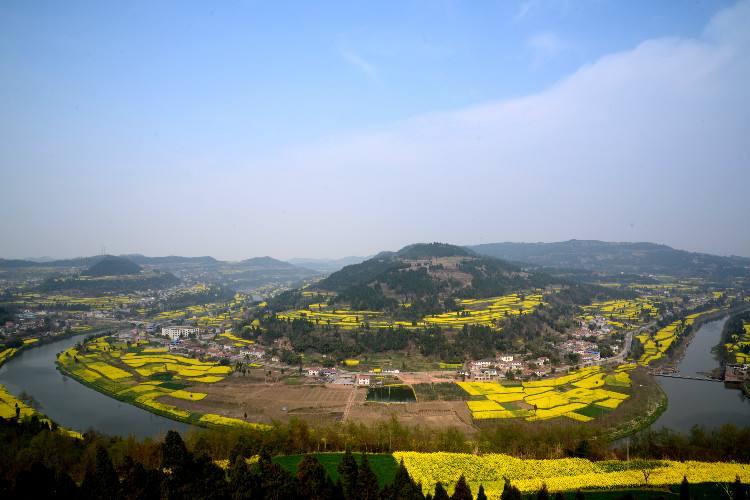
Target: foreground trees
{"x": 37, "y": 461}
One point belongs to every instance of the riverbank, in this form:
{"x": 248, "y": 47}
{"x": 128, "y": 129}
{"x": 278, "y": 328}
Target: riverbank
{"x": 732, "y": 348}
{"x": 144, "y": 377}
{"x": 72, "y": 405}
{"x": 718, "y": 404}
{"x": 32, "y": 342}
{"x": 653, "y": 403}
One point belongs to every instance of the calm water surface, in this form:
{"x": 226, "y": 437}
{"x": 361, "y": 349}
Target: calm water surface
{"x": 73, "y": 405}
{"x": 691, "y": 402}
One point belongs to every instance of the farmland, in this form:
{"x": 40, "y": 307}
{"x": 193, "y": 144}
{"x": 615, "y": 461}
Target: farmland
{"x": 565, "y": 474}
{"x": 148, "y": 377}
{"x": 739, "y": 345}
{"x": 656, "y": 345}
{"x": 486, "y": 312}
{"x": 580, "y": 395}
{"x": 622, "y": 313}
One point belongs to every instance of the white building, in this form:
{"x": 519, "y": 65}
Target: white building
{"x": 176, "y": 332}
{"x": 363, "y": 380}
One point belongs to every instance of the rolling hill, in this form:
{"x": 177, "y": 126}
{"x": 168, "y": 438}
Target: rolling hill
{"x": 615, "y": 258}
{"x": 113, "y": 266}
{"x": 428, "y": 276}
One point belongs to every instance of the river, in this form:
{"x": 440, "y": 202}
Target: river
{"x": 73, "y": 405}
{"x": 691, "y": 402}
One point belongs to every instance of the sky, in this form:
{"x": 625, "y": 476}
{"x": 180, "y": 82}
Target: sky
{"x": 324, "y": 129}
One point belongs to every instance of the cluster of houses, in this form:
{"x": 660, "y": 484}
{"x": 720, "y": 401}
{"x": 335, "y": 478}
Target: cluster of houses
{"x": 588, "y": 352}
{"x": 39, "y": 323}
{"x": 497, "y": 367}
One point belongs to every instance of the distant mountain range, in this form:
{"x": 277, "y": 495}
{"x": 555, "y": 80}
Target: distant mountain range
{"x": 327, "y": 265}
{"x": 244, "y": 276}
{"x": 611, "y": 258}
{"x": 591, "y": 256}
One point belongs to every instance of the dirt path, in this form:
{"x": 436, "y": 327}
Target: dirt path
{"x": 349, "y": 403}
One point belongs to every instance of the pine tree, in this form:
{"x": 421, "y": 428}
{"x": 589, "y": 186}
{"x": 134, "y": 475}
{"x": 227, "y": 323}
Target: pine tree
{"x": 174, "y": 453}
{"x": 101, "y": 481}
{"x": 481, "y": 494}
{"x": 313, "y": 479}
{"x": 684, "y": 489}
{"x": 510, "y": 492}
{"x": 462, "y": 490}
{"x": 738, "y": 490}
{"x": 440, "y": 493}
{"x": 367, "y": 481}
{"x": 543, "y": 493}
{"x": 348, "y": 471}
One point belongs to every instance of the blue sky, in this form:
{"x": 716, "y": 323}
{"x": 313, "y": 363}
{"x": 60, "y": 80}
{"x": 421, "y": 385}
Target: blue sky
{"x": 271, "y": 117}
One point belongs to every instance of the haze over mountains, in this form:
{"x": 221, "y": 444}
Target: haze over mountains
{"x": 586, "y": 255}
{"x": 611, "y": 257}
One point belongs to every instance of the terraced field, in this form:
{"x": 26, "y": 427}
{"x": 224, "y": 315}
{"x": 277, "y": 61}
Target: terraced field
{"x": 622, "y": 313}
{"x": 488, "y": 312}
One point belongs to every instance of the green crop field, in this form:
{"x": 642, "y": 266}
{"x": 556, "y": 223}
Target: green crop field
{"x": 382, "y": 464}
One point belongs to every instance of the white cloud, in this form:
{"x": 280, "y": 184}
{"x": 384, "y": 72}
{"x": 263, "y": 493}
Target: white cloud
{"x": 524, "y": 8}
{"x": 359, "y": 62}
{"x": 646, "y": 144}
{"x": 546, "y": 45}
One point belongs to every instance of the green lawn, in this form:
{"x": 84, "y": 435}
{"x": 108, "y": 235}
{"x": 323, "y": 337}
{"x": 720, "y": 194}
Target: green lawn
{"x": 383, "y": 465}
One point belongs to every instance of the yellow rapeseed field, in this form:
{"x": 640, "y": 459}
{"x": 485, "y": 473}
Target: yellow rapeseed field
{"x": 561, "y": 396}
{"x": 565, "y": 474}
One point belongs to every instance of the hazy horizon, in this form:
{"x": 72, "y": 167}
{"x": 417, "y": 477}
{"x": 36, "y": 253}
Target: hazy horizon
{"x": 329, "y": 131}
{"x": 324, "y": 258}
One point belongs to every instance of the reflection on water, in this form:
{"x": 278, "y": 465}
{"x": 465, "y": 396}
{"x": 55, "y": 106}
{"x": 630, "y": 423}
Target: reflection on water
{"x": 692, "y": 402}
{"x": 72, "y": 404}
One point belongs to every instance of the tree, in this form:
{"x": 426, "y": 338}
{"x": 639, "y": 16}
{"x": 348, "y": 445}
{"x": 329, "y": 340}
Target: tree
{"x": 684, "y": 489}
{"x": 462, "y": 490}
{"x": 579, "y": 495}
{"x": 241, "y": 482}
{"x": 480, "y": 493}
{"x": 367, "y": 481}
{"x": 174, "y": 453}
{"x": 139, "y": 483}
{"x": 101, "y": 482}
{"x": 403, "y": 487}
{"x": 510, "y": 492}
{"x": 313, "y": 479}
{"x": 738, "y": 490}
{"x": 543, "y": 493}
{"x": 440, "y": 493}
{"x": 348, "y": 471}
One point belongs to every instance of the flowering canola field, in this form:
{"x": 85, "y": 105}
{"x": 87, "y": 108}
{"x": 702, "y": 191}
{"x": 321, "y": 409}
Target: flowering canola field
{"x": 488, "y": 312}
{"x": 739, "y": 347}
{"x": 144, "y": 375}
{"x": 564, "y": 474}
{"x": 655, "y": 345}
{"x": 579, "y": 395}
{"x": 620, "y": 313}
